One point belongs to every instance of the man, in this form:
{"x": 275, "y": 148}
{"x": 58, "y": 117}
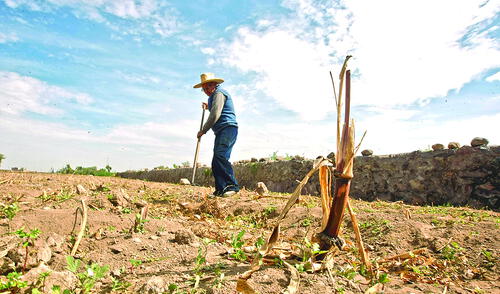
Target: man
{"x": 222, "y": 120}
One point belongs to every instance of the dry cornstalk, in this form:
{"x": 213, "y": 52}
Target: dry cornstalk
{"x": 343, "y": 175}
{"x": 84, "y": 213}
{"x": 359, "y": 240}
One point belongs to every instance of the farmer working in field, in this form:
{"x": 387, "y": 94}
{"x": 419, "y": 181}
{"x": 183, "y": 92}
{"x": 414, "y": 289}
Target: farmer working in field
{"x": 222, "y": 120}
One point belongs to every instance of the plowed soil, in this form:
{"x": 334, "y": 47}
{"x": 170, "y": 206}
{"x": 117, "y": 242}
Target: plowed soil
{"x": 188, "y": 242}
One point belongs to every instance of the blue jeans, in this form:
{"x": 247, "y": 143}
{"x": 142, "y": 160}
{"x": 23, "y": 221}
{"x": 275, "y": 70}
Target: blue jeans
{"x": 221, "y": 167}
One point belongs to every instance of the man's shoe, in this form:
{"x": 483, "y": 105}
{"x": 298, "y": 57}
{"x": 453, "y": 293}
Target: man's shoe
{"x": 229, "y": 193}
{"x": 214, "y": 194}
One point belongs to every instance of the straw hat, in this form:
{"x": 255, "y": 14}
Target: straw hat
{"x": 207, "y": 78}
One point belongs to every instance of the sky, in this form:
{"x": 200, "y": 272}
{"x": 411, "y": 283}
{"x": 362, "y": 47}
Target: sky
{"x": 97, "y": 82}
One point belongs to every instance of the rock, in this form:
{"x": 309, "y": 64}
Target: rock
{"x": 80, "y": 189}
{"x": 39, "y": 252}
{"x": 262, "y": 160}
{"x": 56, "y": 242}
{"x": 153, "y": 237}
{"x": 136, "y": 240}
{"x": 298, "y": 158}
{"x": 6, "y": 265}
{"x": 64, "y": 279}
{"x": 141, "y": 203}
{"x": 184, "y": 181}
{"x": 116, "y": 249}
{"x": 453, "y": 145}
{"x": 331, "y": 156}
{"x": 437, "y": 146}
{"x": 261, "y": 189}
{"x": 479, "y": 142}
{"x": 367, "y": 152}
{"x": 184, "y": 236}
{"x": 253, "y": 159}
{"x": 44, "y": 253}
{"x": 118, "y": 199}
{"x": 155, "y": 285}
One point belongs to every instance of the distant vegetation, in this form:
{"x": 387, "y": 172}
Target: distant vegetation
{"x": 103, "y": 172}
{"x": 2, "y": 157}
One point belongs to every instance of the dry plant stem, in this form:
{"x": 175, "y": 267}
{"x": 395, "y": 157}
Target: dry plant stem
{"x": 343, "y": 181}
{"x": 82, "y": 228}
{"x": 144, "y": 212}
{"x": 339, "y": 100}
{"x": 25, "y": 260}
{"x": 326, "y": 198}
{"x": 359, "y": 240}
{"x": 334, "y": 91}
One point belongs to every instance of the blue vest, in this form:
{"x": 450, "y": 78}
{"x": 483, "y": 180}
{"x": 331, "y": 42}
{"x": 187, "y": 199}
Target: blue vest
{"x": 227, "y": 117}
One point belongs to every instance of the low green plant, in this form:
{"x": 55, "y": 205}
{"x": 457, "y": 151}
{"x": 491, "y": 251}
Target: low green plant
{"x": 89, "y": 276}
{"x": 237, "y": 244}
{"x": 135, "y": 263}
{"x": 13, "y": 283}
{"x": 27, "y": 239}
{"x": 126, "y": 210}
{"x": 488, "y": 258}
{"x": 375, "y": 227}
{"x": 139, "y": 223}
{"x": 259, "y": 242}
{"x": 119, "y": 285}
{"x": 383, "y": 278}
{"x": 269, "y": 211}
{"x": 9, "y": 210}
{"x": 40, "y": 281}
{"x": 306, "y": 222}
{"x": 172, "y": 288}
{"x": 450, "y": 251}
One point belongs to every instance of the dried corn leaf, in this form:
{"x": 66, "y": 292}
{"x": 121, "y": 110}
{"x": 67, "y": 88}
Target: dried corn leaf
{"x": 273, "y": 238}
{"x": 377, "y": 288}
{"x": 243, "y": 287}
{"x": 293, "y": 287}
{"x": 326, "y": 196}
{"x": 405, "y": 255}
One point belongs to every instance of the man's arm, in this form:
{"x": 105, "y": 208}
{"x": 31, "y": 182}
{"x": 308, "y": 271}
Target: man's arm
{"x": 215, "y": 112}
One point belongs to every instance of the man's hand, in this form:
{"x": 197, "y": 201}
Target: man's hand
{"x": 204, "y": 105}
{"x": 200, "y": 133}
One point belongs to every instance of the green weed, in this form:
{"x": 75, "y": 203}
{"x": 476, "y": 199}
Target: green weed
{"x": 89, "y": 276}
{"x": 13, "y": 283}
{"x": 450, "y": 252}
{"x": 9, "y": 210}
{"x": 237, "y": 244}
{"x": 119, "y": 285}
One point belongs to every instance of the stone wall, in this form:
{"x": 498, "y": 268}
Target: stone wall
{"x": 464, "y": 176}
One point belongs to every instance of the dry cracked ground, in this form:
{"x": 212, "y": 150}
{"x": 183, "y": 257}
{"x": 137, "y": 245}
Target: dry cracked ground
{"x": 191, "y": 244}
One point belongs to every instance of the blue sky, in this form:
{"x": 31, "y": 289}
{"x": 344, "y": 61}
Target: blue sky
{"x": 96, "y": 82}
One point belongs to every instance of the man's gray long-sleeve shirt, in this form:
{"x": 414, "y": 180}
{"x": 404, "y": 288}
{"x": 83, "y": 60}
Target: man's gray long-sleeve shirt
{"x": 215, "y": 112}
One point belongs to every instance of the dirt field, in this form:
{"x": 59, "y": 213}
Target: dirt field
{"x": 191, "y": 244}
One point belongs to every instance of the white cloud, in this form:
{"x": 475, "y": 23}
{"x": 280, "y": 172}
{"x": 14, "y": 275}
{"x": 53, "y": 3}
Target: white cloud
{"x": 404, "y": 52}
{"x": 139, "y": 18}
{"x": 21, "y": 94}
{"x": 132, "y": 146}
{"x": 494, "y": 77}
{"x": 208, "y": 51}
{"x": 8, "y": 38}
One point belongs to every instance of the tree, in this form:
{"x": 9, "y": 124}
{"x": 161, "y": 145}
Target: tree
{"x": 2, "y": 157}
